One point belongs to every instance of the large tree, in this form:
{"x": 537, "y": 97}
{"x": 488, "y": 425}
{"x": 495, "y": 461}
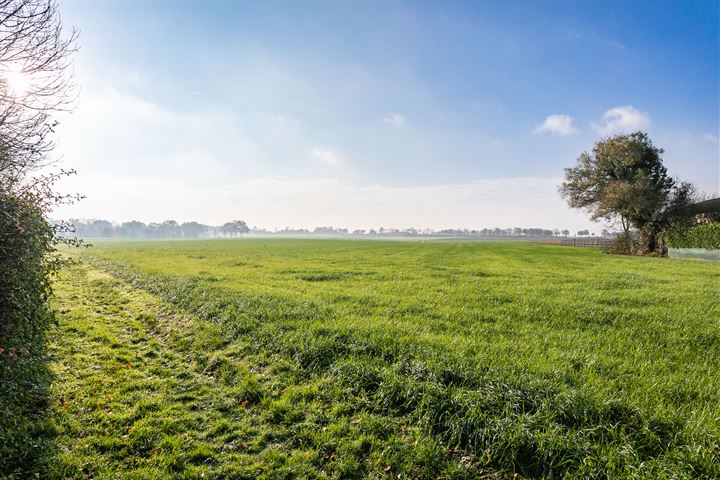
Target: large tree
{"x": 623, "y": 179}
{"x": 192, "y": 229}
{"x": 235, "y": 227}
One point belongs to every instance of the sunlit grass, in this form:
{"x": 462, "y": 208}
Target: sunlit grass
{"x": 526, "y": 358}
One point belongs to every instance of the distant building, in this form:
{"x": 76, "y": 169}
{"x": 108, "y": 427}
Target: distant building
{"x": 707, "y": 211}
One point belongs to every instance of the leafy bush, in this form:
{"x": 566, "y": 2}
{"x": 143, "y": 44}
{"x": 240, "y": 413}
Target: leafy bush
{"x": 700, "y": 236}
{"x": 26, "y": 238}
{"x": 623, "y": 244}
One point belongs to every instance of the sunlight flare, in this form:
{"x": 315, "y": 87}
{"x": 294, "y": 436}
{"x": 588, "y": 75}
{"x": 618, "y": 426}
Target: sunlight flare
{"x": 16, "y": 82}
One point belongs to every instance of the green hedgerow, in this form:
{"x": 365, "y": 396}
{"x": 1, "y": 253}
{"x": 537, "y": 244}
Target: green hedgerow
{"x": 26, "y": 238}
{"x": 700, "y": 236}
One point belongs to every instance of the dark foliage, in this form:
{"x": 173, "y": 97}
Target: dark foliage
{"x": 25, "y": 239}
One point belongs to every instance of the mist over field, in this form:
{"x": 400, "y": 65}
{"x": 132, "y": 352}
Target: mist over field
{"x": 275, "y": 204}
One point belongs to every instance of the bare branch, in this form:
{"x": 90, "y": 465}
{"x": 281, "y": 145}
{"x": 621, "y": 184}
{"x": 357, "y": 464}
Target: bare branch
{"x": 34, "y": 52}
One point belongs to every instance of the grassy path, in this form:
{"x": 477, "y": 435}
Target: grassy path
{"x": 142, "y": 392}
{"x": 130, "y": 397}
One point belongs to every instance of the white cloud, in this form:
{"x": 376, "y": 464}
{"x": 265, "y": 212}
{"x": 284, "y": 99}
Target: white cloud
{"x": 573, "y": 35}
{"x": 561, "y": 125}
{"x": 622, "y": 119}
{"x": 612, "y": 43}
{"x": 326, "y": 155}
{"x": 710, "y": 138}
{"x": 397, "y": 119}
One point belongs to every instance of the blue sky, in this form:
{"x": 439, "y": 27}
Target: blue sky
{"x": 425, "y": 114}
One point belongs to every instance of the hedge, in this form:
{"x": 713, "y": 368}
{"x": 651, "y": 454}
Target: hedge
{"x": 700, "y": 236}
{"x": 26, "y": 240}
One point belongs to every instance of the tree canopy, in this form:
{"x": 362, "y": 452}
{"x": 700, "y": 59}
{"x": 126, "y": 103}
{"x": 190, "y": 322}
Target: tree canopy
{"x": 234, "y": 228}
{"x": 623, "y": 179}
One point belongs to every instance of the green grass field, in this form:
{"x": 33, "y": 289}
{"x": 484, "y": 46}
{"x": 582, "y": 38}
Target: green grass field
{"x": 370, "y": 359}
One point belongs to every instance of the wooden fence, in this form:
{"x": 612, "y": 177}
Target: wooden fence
{"x": 577, "y": 241}
{"x": 585, "y": 242}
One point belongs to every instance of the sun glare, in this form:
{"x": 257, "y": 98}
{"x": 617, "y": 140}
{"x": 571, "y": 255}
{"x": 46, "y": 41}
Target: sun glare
{"x": 16, "y": 82}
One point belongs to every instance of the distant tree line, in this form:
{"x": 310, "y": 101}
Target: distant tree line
{"x": 516, "y": 232}
{"x": 170, "y": 229}
{"x": 167, "y": 229}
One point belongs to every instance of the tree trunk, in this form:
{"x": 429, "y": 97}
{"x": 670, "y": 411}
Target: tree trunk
{"x": 652, "y": 243}
{"x": 625, "y": 224}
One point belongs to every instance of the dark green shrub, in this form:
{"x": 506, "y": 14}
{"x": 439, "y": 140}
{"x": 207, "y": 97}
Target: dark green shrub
{"x": 700, "y": 236}
{"x": 26, "y": 239}
{"x": 623, "y": 244}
